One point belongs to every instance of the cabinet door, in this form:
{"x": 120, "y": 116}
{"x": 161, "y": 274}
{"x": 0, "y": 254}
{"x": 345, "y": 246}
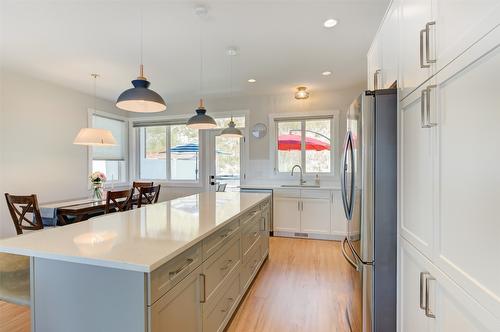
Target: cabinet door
{"x": 315, "y": 216}
{"x": 416, "y": 175}
{"x": 374, "y": 64}
{"x": 180, "y": 308}
{"x": 468, "y": 224}
{"x": 286, "y": 214}
{"x": 412, "y": 316}
{"x": 414, "y": 16}
{"x": 390, "y": 38}
{"x": 460, "y": 23}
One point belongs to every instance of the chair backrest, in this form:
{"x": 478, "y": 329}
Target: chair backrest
{"x": 221, "y": 187}
{"x": 19, "y": 206}
{"x": 148, "y": 195}
{"x": 139, "y": 184}
{"x": 117, "y": 201}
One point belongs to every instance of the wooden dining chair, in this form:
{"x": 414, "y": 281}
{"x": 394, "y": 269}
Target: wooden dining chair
{"x": 19, "y": 206}
{"x": 139, "y": 184}
{"x": 148, "y": 195}
{"x": 118, "y": 201}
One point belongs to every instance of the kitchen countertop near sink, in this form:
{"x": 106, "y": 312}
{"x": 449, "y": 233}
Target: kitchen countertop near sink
{"x": 280, "y": 186}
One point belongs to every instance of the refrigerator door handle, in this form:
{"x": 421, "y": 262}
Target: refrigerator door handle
{"x": 346, "y": 256}
{"x": 343, "y": 174}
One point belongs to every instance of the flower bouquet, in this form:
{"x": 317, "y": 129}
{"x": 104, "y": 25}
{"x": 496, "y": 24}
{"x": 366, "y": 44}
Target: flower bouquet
{"x": 97, "y": 180}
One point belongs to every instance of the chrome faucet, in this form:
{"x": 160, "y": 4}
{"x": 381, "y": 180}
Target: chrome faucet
{"x": 302, "y": 181}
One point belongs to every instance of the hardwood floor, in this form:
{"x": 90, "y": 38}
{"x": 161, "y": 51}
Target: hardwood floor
{"x": 306, "y": 285}
{"x": 14, "y": 318}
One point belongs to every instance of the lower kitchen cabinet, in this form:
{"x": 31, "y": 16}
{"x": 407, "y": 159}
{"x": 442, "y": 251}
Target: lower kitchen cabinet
{"x": 203, "y": 298}
{"x": 286, "y": 214}
{"x": 315, "y": 215}
{"x": 312, "y": 213}
{"x": 431, "y": 301}
{"x": 180, "y": 308}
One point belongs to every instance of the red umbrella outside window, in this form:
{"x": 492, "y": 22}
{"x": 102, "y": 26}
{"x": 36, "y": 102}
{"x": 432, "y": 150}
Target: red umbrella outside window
{"x": 293, "y": 142}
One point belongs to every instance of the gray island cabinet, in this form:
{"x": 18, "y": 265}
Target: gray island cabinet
{"x": 184, "y": 266}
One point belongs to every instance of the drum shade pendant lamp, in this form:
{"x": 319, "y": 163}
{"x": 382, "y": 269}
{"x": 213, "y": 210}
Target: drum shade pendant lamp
{"x": 231, "y": 130}
{"x": 201, "y": 120}
{"x": 94, "y": 136}
{"x": 140, "y": 98}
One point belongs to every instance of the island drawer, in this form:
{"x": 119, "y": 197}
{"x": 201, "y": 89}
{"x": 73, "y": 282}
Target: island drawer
{"x": 250, "y": 216}
{"x": 250, "y": 234}
{"x": 250, "y": 264}
{"x": 212, "y": 243}
{"x": 217, "y": 313}
{"x": 169, "y": 274}
{"x": 219, "y": 265}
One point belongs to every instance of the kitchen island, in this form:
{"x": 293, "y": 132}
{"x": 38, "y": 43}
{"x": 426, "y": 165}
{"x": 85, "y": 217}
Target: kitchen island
{"x": 180, "y": 265}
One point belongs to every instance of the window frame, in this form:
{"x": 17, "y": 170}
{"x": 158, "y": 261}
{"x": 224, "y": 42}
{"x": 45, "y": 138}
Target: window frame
{"x": 203, "y": 144}
{"x": 275, "y": 118}
{"x": 90, "y": 155}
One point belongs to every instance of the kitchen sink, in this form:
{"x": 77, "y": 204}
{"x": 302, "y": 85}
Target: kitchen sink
{"x": 300, "y": 185}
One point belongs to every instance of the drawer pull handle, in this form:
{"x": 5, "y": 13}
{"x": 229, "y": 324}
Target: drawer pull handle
{"x": 225, "y": 267}
{"x": 181, "y": 268}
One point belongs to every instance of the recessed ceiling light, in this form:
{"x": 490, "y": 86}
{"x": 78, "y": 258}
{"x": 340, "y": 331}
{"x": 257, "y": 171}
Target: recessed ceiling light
{"x": 252, "y": 80}
{"x": 326, "y": 73}
{"x": 330, "y": 23}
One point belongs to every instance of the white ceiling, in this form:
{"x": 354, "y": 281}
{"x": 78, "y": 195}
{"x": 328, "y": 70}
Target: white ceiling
{"x": 282, "y": 44}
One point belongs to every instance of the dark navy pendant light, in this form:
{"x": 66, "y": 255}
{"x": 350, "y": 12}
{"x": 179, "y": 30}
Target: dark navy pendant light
{"x": 201, "y": 120}
{"x": 140, "y": 98}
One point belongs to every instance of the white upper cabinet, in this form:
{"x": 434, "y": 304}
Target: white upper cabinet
{"x": 416, "y": 51}
{"x": 468, "y": 227}
{"x": 389, "y": 34}
{"x": 460, "y": 24}
{"x": 374, "y": 65}
{"x": 416, "y": 172}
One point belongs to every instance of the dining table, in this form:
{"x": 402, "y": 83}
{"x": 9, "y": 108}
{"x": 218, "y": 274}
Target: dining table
{"x": 65, "y": 212}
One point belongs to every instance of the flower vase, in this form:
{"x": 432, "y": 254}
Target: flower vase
{"x": 97, "y": 191}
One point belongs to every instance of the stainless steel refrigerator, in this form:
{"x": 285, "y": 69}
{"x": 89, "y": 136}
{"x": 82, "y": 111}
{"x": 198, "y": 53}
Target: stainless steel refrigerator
{"x": 369, "y": 194}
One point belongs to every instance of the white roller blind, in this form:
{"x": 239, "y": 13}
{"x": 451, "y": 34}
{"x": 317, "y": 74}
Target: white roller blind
{"x": 118, "y": 128}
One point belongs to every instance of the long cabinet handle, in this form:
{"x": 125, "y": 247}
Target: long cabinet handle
{"x": 428, "y": 106}
{"x": 423, "y": 103}
{"x": 181, "y": 268}
{"x": 423, "y": 285}
{"x": 203, "y": 297}
{"x": 376, "y": 79}
{"x": 427, "y": 42}
{"x": 428, "y": 311}
{"x": 422, "y": 64}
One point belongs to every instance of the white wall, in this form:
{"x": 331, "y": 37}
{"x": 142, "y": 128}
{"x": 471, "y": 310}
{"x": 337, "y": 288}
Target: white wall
{"x": 260, "y": 166}
{"x": 38, "y": 122}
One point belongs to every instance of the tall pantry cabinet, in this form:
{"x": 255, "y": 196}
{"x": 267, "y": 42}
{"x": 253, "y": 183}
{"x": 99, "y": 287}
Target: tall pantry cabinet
{"x": 449, "y": 180}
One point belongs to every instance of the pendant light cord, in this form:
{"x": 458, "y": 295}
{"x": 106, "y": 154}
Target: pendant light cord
{"x": 141, "y": 45}
{"x": 95, "y": 76}
{"x": 201, "y": 59}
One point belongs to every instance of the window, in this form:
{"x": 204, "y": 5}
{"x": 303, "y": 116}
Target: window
{"x": 169, "y": 152}
{"x": 306, "y": 142}
{"x": 223, "y": 122}
{"x": 111, "y": 160}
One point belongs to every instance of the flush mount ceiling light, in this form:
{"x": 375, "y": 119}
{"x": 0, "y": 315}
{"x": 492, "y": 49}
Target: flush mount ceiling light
{"x": 252, "y": 80}
{"x": 301, "y": 93}
{"x": 330, "y": 23}
{"x": 231, "y": 130}
{"x": 95, "y": 136}
{"x": 140, "y": 98}
{"x": 201, "y": 120}
{"x": 326, "y": 73}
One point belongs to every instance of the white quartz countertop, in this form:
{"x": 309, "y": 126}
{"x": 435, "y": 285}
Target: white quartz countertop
{"x": 137, "y": 240}
{"x": 279, "y": 186}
